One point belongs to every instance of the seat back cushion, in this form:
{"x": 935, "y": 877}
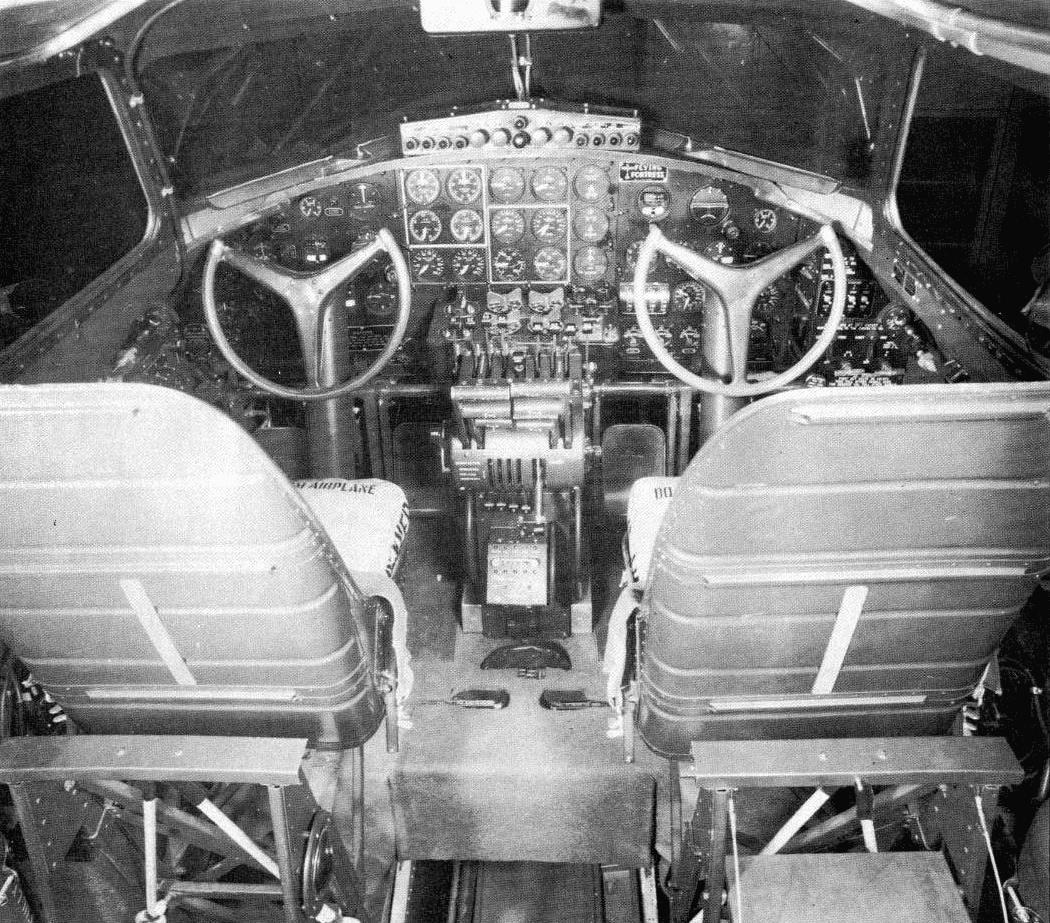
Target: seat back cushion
{"x": 366, "y": 519}
{"x": 845, "y": 562}
{"x": 159, "y": 574}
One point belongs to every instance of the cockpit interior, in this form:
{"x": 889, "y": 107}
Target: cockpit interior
{"x": 524, "y": 461}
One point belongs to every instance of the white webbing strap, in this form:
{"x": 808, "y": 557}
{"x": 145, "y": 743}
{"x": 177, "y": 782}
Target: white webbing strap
{"x": 614, "y": 660}
{"x": 373, "y": 583}
{"x": 163, "y": 644}
{"x": 841, "y": 635}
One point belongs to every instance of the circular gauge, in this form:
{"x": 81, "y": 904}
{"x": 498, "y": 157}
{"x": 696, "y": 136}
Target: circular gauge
{"x": 688, "y": 297}
{"x": 508, "y": 264}
{"x": 709, "y": 206}
{"x": 364, "y": 200}
{"x": 591, "y": 224}
{"x": 765, "y": 220}
{"x": 424, "y": 226}
{"x": 464, "y": 185}
{"x": 549, "y": 184}
{"x": 467, "y": 226}
{"x": 422, "y": 186}
{"x": 508, "y": 225}
{"x": 590, "y": 264}
{"x": 654, "y": 202}
{"x": 507, "y": 184}
{"x": 591, "y": 183}
{"x": 468, "y": 265}
{"x": 550, "y": 264}
{"x": 310, "y": 206}
{"x": 549, "y": 225}
{"x": 428, "y": 264}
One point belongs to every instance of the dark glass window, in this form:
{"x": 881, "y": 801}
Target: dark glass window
{"x": 70, "y": 202}
{"x": 974, "y": 191}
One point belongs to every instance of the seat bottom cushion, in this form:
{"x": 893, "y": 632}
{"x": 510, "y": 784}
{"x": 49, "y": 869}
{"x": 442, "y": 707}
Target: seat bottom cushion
{"x": 646, "y": 506}
{"x": 366, "y": 520}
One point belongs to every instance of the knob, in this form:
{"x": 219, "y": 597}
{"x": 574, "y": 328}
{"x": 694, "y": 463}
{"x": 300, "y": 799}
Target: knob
{"x": 459, "y": 142}
{"x": 501, "y": 137}
{"x": 563, "y": 135}
{"x": 479, "y": 137}
{"x": 541, "y": 136}
{"x": 521, "y": 139}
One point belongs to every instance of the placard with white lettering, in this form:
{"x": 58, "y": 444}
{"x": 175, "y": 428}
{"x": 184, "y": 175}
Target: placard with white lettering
{"x": 634, "y": 172}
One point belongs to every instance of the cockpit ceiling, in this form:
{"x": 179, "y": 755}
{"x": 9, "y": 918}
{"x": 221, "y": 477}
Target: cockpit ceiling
{"x": 37, "y": 29}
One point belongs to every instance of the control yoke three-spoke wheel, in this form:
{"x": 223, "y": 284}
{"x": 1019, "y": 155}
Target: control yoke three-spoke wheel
{"x": 727, "y": 327}
{"x": 308, "y": 295}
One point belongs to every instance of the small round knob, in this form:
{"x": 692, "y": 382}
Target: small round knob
{"x": 541, "y": 136}
{"x": 479, "y": 137}
{"x": 501, "y": 137}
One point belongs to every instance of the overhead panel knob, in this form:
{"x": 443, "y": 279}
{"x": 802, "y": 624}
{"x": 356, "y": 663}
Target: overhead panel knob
{"x": 501, "y": 137}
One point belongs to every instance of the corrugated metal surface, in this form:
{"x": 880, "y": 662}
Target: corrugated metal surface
{"x": 121, "y": 498}
{"x": 937, "y": 499}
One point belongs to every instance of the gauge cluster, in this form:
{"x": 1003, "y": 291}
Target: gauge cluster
{"x": 542, "y": 222}
{"x": 564, "y": 230}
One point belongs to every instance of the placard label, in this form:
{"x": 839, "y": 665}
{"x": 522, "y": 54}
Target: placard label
{"x": 633, "y": 172}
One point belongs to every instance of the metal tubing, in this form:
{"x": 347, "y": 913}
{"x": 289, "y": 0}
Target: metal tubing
{"x": 670, "y": 446}
{"x": 238, "y": 836}
{"x": 685, "y": 428}
{"x": 577, "y": 542}
{"x": 330, "y": 423}
{"x": 796, "y": 822}
{"x": 282, "y": 840}
{"x": 149, "y": 837}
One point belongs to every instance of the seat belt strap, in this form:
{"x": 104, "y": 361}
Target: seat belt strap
{"x": 841, "y": 635}
{"x": 614, "y": 661}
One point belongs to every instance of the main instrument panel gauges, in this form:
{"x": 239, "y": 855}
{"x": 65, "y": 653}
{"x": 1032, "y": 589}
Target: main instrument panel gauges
{"x": 508, "y": 225}
{"x": 591, "y": 183}
{"x": 467, "y": 226}
{"x": 550, "y": 264}
{"x": 549, "y": 184}
{"x": 688, "y": 297}
{"x": 428, "y": 264}
{"x": 422, "y": 187}
{"x": 424, "y": 226}
{"x": 549, "y": 225}
{"x": 468, "y": 264}
{"x": 654, "y": 202}
{"x": 464, "y": 185}
{"x": 590, "y": 264}
{"x": 591, "y": 224}
{"x": 507, "y": 184}
{"x": 709, "y": 206}
{"x": 508, "y": 265}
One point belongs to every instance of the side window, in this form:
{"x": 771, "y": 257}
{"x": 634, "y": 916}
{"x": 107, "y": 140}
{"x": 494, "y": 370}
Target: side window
{"x": 70, "y": 202}
{"x": 974, "y": 192}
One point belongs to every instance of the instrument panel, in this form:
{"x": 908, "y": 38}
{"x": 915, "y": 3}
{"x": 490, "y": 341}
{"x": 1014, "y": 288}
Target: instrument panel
{"x": 560, "y": 230}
